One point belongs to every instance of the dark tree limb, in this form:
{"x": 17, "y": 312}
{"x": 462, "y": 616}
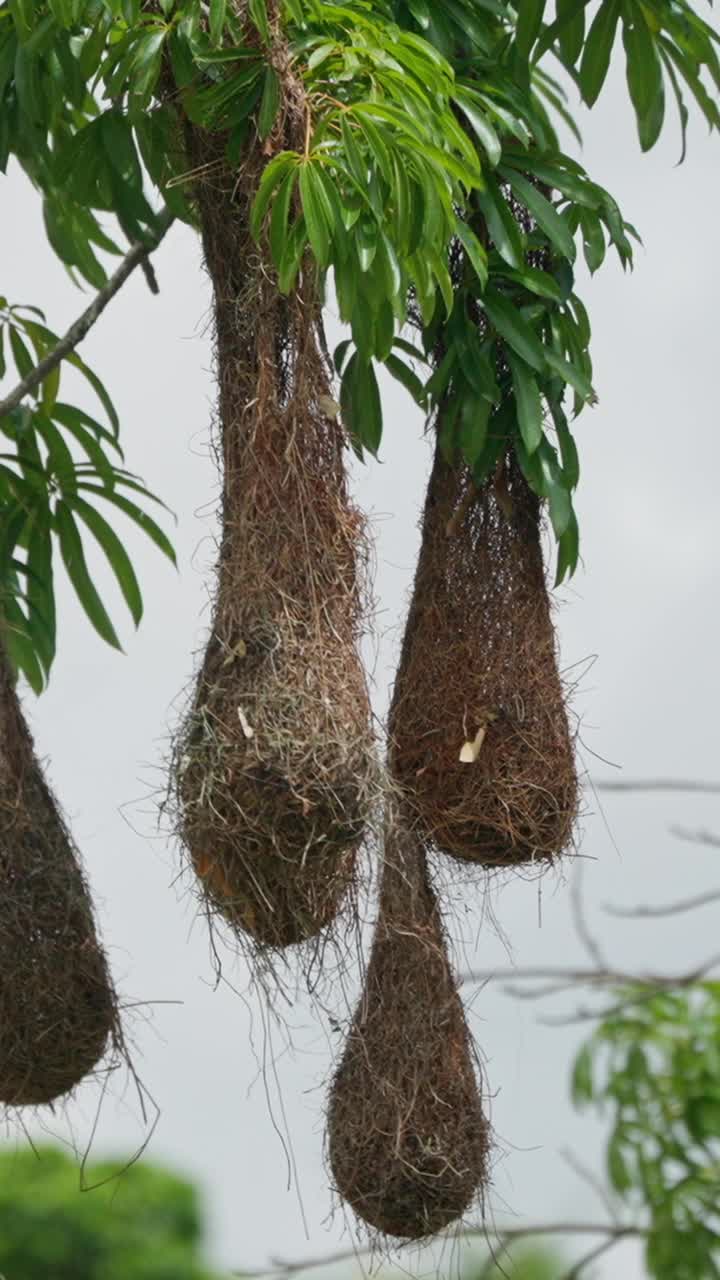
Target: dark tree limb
{"x": 136, "y": 256}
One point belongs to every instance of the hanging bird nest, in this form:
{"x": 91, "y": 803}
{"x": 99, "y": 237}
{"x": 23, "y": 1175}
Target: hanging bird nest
{"x": 479, "y": 735}
{"x": 408, "y": 1143}
{"x": 58, "y": 1009}
{"x": 275, "y": 766}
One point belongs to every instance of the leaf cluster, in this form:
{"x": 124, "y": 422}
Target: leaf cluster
{"x": 58, "y": 467}
{"x": 431, "y": 191}
{"x": 654, "y": 1066}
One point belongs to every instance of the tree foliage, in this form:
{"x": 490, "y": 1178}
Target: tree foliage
{"x": 432, "y": 189}
{"x": 653, "y": 1064}
{"x": 142, "y": 1223}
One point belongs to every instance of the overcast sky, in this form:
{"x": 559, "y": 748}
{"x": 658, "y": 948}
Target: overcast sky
{"x": 642, "y": 614}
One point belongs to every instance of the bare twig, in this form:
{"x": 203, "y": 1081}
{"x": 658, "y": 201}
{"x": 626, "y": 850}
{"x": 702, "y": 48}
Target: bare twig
{"x": 582, "y": 928}
{"x": 593, "y": 1254}
{"x": 709, "y": 839}
{"x": 660, "y": 784}
{"x": 667, "y": 909}
{"x": 612, "y": 1232}
{"x": 136, "y": 256}
{"x": 563, "y": 979}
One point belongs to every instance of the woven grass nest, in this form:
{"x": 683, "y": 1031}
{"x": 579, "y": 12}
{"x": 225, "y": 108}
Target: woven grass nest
{"x": 58, "y": 1009}
{"x": 275, "y": 766}
{"x": 479, "y": 734}
{"x": 408, "y": 1141}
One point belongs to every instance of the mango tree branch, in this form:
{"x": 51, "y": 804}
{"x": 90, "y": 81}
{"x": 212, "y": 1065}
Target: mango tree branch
{"x": 135, "y": 257}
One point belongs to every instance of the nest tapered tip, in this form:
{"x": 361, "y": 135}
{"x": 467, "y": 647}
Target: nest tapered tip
{"x": 407, "y": 1138}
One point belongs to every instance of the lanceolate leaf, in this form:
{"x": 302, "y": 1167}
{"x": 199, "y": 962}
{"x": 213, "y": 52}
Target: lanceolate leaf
{"x": 544, "y": 214}
{"x": 514, "y": 329}
{"x": 528, "y": 403}
{"x": 73, "y": 556}
{"x": 597, "y": 51}
{"x": 504, "y": 230}
{"x": 115, "y": 552}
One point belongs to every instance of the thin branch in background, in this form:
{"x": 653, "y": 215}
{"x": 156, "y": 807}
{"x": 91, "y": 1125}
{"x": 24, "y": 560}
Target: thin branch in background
{"x": 136, "y": 256}
{"x": 612, "y": 1232}
{"x": 660, "y": 784}
{"x": 667, "y": 909}
{"x": 708, "y": 839}
{"x": 560, "y": 980}
{"x": 591, "y": 945}
{"x": 596, "y": 1252}
{"x": 592, "y": 1181}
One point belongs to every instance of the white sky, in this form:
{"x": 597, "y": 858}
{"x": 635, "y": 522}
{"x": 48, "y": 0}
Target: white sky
{"x": 644, "y": 605}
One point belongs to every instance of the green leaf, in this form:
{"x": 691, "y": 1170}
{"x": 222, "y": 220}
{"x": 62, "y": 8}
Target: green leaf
{"x": 98, "y": 387}
{"x": 115, "y": 552}
{"x": 546, "y": 216}
{"x": 597, "y": 51}
{"x": 369, "y": 412}
{"x": 19, "y": 647}
{"x": 137, "y": 515}
{"x": 71, "y": 549}
{"x": 594, "y": 246}
{"x": 535, "y": 281}
{"x": 360, "y": 403}
{"x": 572, "y": 375}
{"x": 568, "y": 551}
{"x": 528, "y": 402}
{"x": 407, "y": 378}
{"x": 273, "y": 175}
{"x": 442, "y": 275}
{"x": 556, "y": 492}
{"x": 484, "y": 131}
{"x": 568, "y": 448}
{"x": 644, "y": 75}
{"x": 40, "y": 589}
{"x": 514, "y": 329}
{"x": 530, "y": 14}
{"x": 292, "y": 257}
{"x": 571, "y": 37}
{"x": 581, "y": 1084}
{"x": 269, "y": 103}
{"x": 217, "y": 20}
{"x": 21, "y": 355}
{"x": 618, "y": 1171}
{"x": 702, "y": 1116}
{"x": 474, "y": 418}
{"x": 313, "y": 209}
{"x": 474, "y": 250}
{"x": 504, "y": 230}
{"x": 258, "y": 12}
{"x": 280, "y": 216}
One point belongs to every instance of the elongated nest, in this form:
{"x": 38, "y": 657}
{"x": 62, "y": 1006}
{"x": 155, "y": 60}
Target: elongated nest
{"x": 407, "y": 1139}
{"x": 479, "y": 735}
{"x": 58, "y": 1009}
{"x": 275, "y": 766}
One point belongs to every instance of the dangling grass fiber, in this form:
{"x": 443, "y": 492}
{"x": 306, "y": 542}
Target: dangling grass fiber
{"x": 58, "y": 1009}
{"x": 479, "y": 736}
{"x": 407, "y": 1139}
{"x": 275, "y": 764}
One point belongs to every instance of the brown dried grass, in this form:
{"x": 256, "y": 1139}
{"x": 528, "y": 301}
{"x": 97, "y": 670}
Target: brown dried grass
{"x": 479, "y": 666}
{"x": 275, "y": 767}
{"x": 407, "y": 1139}
{"x": 58, "y": 1009}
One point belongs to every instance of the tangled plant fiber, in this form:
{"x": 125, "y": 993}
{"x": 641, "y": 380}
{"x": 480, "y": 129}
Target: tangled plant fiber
{"x": 479, "y": 735}
{"x": 407, "y": 1139}
{"x": 58, "y": 1009}
{"x": 276, "y": 761}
